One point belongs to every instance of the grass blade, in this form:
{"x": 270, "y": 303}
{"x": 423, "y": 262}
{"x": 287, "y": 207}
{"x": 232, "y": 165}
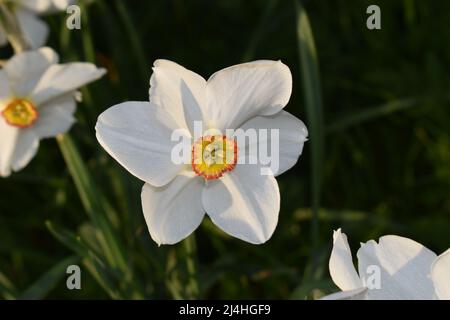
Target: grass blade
{"x": 192, "y": 289}
{"x": 313, "y": 103}
{"x": 259, "y": 31}
{"x": 91, "y": 260}
{"x": 88, "y": 44}
{"x": 135, "y": 41}
{"x": 7, "y": 289}
{"x": 48, "y": 280}
{"x": 92, "y": 201}
{"x": 368, "y": 114}
{"x": 100, "y": 274}
{"x": 67, "y": 238}
{"x": 303, "y": 291}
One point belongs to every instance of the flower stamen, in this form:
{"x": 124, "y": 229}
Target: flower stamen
{"x": 212, "y": 156}
{"x": 20, "y": 113}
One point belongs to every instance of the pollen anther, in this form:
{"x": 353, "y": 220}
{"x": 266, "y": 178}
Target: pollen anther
{"x": 20, "y": 113}
{"x": 212, "y": 156}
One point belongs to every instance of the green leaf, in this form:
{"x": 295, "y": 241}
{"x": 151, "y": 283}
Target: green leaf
{"x": 91, "y": 261}
{"x": 346, "y": 216}
{"x": 67, "y": 238}
{"x": 100, "y": 273}
{"x": 357, "y": 118}
{"x": 7, "y": 289}
{"x": 260, "y": 30}
{"x": 304, "y": 290}
{"x": 92, "y": 201}
{"x": 86, "y": 36}
{"x": 48, "y": 280}
{"x": 133, "y": 35}
{"x": 190, "y": 248}
{"x": 313, "y": 103}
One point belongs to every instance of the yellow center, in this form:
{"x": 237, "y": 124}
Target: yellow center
{"x": 212, "y": 156}
{"x": 20, "y": 113}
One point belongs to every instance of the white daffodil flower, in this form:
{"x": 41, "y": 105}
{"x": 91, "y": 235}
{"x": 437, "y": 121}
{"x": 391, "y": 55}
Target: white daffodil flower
{"x": 37, "y": 100}
{"x": 27, "y": 12}
{"x": 236, "y": 196}
{"x": 395, "y": 268}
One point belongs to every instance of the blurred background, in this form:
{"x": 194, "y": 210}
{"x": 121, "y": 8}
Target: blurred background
{"x": 376, "y": 103}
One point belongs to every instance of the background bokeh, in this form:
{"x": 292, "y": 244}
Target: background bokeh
{"x": 383, "y": 128}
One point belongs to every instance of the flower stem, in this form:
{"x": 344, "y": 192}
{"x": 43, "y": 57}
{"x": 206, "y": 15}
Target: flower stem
{"x": 192, "y": 289}
{"x": 314, "y": 110}
{"x": 12, "y": 29}
{"x": 91, "y": 197}
{"x": 133, "y": 35}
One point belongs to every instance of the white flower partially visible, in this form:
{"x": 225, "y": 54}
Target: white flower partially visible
{"x": 237, "y": 197}
{"x": 37, "y": 100}
{"x": 60, "y": 4}
{"x": 27, "y": 12}
{"x": 408, "y": 270}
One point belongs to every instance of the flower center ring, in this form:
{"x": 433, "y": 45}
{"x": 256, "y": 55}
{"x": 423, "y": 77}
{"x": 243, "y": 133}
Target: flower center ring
{"x": 20, "y": 113}
{"x": 212, "y": 156}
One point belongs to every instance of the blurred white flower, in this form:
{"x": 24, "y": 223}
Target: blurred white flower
{"x": 37, "y": 100}
{"x": 407, "y": 270}
{"x": 27, "y": 12}
{"x": 59, "y": 4}
{"x": 175, "y": 197}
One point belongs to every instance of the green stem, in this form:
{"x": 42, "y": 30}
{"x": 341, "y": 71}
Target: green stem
{"x": 133, "y": 34}
{"x": 314, "y": 110}
{"x": 192, "y": 288}
{"x": 88, "y": 44}
{"x": 90, "y": 198}
{"x": 12, "y": 29}
{"x": 259, "y": 31}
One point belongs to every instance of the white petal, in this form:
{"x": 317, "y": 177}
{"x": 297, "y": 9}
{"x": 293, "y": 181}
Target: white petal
{"x": 244, "y": 203}
{"x": 241, "y": 92}
{"x": 9, "y": 135}
{"x": 440, "y": 274}
{"x": 174, "y": 211}
{"x": 25, "y": 69}
{"x": 62, "y": 4}
{"x": 60, "y": 79}
{"x": 341, "y": 266}
{"x": 26, "y": 147}
{"x": 292, "y": 135}
{"x": 31, "y": 63}
{"x": 179, "y": 91}
{"x": 5, "y": 89}
{"x": 55, "y": 117}
{"x": 38, "y": 6}
{"x": 404, "y": 267}
{"x": 355, "y": 294}
{"x": 34, "y": 29}
{"x": 137, "y": 135}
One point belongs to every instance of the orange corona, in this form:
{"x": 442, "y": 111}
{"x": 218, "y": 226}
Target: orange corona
{"x": 20, "y": 113}
{"x": 212, "y": 156}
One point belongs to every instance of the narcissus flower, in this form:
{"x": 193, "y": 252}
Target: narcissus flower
{"x": 37, "y": 100}
{"x": 27, "y": 13}
{"x": 405, "y": 269}
{"x": 235, "y": 194}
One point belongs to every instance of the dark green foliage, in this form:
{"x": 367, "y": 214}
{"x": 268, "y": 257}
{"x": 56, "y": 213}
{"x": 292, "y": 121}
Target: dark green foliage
{"x": 385, "y": 154}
